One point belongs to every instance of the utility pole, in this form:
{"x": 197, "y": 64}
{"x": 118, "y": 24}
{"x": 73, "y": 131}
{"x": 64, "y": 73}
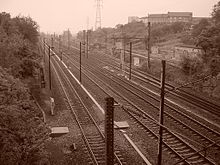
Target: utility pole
{"x": 106, "y": 39}
{"x": 122, "y": 50}
{"x": 59, "y": 43}
{"x": 160, "y": 141}
{"x": 149, "y": 46}
{"x": 87, "y": 43}
{"x": 130, "y": 60}
{"x": 80, "y": 62}
{"x": 49, "y": 68}
{"x": 109, "y": 130}
{"x": 52, "y": 41}
{"x": 84, "y": 41}
{"x": 44, "y": 49}
{"x": 68, "y": 39}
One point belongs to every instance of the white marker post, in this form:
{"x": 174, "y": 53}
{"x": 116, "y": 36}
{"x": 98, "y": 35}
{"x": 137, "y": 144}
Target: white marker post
{"x": 52, "y": 105}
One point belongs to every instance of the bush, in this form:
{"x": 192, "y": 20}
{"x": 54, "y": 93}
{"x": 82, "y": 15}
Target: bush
{"x": 191, "y": 65}
{"x": 22, "y": 131}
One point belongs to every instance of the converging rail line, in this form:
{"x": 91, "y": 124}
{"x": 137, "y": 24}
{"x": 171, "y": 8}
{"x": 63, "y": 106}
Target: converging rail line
{"x": 91, "y": 133}
{"x": 141, "y": 94}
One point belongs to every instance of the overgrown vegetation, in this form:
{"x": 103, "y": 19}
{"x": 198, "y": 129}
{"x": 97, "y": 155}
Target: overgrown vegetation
{"x": 206, "y": 35}
{"x": 134, "y": 30}
{"x": 22, "y": 131}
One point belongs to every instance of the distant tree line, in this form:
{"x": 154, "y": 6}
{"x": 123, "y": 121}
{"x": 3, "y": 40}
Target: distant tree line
{"x": 134, "y": 30}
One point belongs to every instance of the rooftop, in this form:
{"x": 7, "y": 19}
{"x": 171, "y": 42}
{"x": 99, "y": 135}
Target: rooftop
{"x": 157, "y": 15}
{"x": 187, "y": 14}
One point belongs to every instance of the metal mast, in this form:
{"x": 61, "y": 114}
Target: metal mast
{"x": 98, "y": 14}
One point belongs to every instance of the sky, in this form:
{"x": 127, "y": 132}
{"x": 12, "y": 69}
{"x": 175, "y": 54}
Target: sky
{"x": 58, "y": 15}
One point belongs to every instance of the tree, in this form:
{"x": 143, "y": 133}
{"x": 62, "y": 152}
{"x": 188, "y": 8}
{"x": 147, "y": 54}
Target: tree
{"x": 28, "y": 28}
{"x": 198, "y": 28}
{"x": 209, "y": 40}
{"x": 216, "y": 13}
{"x": 22, "y": 131}
{"x": 18, "y": 45}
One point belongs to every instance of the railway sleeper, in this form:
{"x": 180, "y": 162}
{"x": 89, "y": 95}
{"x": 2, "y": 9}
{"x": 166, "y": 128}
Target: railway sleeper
{"x": 196, "y": 159}
{"x": 98, "y": 145}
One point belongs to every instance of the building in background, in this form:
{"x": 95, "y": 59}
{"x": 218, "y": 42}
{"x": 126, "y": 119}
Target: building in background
{"x": 144, "y": 20}
{"x": 179, "y": 17}
{"x": 133, "y": 19}
{"x": 158, "y": 18}
{"x": 170, "y": 17}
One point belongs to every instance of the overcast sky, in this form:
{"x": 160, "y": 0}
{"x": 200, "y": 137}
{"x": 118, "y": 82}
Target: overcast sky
{"x": 58, "y": 15}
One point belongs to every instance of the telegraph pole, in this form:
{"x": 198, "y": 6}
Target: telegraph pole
{"x": 106, "y": 39}
{"x": 87, "y": 43}
{"x": 49, "y": 68}
{"x": 59, "y": 43}
{"x": 122, "y": 50}
{"x": 84, "y": 42}
{"x": 68, "y": 39}
{"x": 161, "y": 113}
{"x": 130, "y": 59}
{"x": 149, "y": 46}
{"x": 109, "y": 130}
{"x": 44, "y": 49}
{"x": 52, "y": 41}
{"x": 80, "y": 62}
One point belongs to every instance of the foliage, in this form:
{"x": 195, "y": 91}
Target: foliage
{"x": 206, "y": 35}
{"x": 133, "y": 30}
{"x": 22, "y": 130}
{"x": 187, "y": 39}
{"x": 216, "y": 13}
{"x": 191, "y": 65}
{"x": 198, "y": 28}
{"x": 159, "y": 31}
{"x": 28, "y": 28}
{"x": 18, "y": 38}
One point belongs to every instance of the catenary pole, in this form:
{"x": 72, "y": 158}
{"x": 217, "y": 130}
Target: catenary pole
{"x": 149, "y": 46}
{"x": 80, "y": 62}
{"x": 160, "y": 141}
{"x": 49, "y": 68}
{"x": 109, "y": 130}
{"x": 130, "y": 60}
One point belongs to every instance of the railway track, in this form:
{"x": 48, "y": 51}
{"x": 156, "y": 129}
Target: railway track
{"x": 208, "y": 141}
{"x": 183, "y": 125}
{"x": 183, "y": 152}
{"x": 170, "y": 89}
{"x": 91, "y": 133}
